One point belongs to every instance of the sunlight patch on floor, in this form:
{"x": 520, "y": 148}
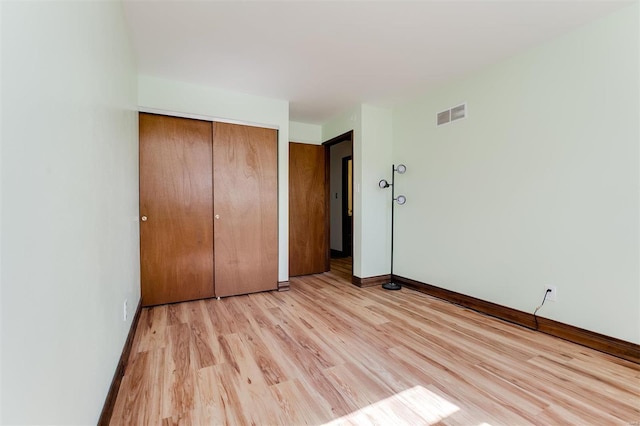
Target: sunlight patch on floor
{"x": 409, "y": 407}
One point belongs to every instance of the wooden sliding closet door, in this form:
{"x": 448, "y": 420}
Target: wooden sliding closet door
{"x": 245, "y": 181}
{"x": 176, "y": 202}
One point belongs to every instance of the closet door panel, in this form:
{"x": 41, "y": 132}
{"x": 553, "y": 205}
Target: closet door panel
{"x": 245, "y": 179}
{"x": 176, "y": 239}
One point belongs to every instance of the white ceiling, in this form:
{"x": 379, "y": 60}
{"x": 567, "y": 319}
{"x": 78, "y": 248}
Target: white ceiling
{"x": 326, "y": 56}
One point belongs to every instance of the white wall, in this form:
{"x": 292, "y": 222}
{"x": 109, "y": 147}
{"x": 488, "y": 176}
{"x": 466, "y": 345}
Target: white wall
{"x": 539, "y": 186}
{"x": 372, "y": 136}
{"x": 305, "y": 133}
{"x": 1, "y": 115}
{"x": 69, "y": 198}
{"x": 377, "y": 135}
{"x": 336, "y": 153}
{"x": 177, "y": 98}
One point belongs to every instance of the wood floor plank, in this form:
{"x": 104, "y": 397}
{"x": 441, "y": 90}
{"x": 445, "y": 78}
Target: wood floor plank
{"x": 220, "y": 318}
{"x": 328, "y": 352}
{"x": 272, "y": 372}
{"x": 151, "y": 330}
{"x": 345, "y": 377}
{"x": 624, "y": 403}
{"x": 143, "y": 403}
{"x": 311, "y": 373}
{"x": 179, "y": 392}
{"x": 342, "y": 268}
{"x": 457, "y": 381}
{"x": 557, "y": 393}
{"x": 298, "y": 404}
{"x": 229, "y": 403}
{"x": 201, "y": 353}
{"x": 252, "y": 393}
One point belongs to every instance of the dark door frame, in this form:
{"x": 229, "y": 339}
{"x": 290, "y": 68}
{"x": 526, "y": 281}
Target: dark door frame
{"x": 347, "y": 228}
{"x": 348, "y": 136}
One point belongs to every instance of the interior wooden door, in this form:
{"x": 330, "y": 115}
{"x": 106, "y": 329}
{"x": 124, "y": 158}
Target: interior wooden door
{"x": 176, "y": 204}
{"x": 308, "y": 227}
{"x": 245, "y": 185}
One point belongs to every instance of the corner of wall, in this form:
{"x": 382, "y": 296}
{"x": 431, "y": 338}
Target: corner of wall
{"x": 377, "y": 158}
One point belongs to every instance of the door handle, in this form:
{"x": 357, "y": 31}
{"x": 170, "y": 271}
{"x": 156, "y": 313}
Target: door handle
{"x": 143, "y": 218}
{"x": 217, "y": 216}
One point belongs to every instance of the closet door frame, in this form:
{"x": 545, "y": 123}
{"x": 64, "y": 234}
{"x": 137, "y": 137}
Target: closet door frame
{"x": 277, "y": 285}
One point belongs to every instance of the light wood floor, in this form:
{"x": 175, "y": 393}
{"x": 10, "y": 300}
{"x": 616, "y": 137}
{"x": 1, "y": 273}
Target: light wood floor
{"x": 329, "y": 352}
{"x": 342, "y": 267}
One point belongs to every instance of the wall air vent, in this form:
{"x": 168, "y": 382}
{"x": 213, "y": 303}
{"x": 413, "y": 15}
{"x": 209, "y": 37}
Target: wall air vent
{"x": 444, "y": 117}
{"x": 452, "y": 114}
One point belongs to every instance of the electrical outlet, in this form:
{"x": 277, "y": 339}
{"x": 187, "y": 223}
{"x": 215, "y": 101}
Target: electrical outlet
{"x": 125, "y": 313}
{"x": 552, "y": 296}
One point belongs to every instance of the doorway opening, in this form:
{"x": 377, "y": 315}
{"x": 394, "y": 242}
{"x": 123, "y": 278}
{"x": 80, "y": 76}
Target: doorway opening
{"x": 339, "y": 155}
